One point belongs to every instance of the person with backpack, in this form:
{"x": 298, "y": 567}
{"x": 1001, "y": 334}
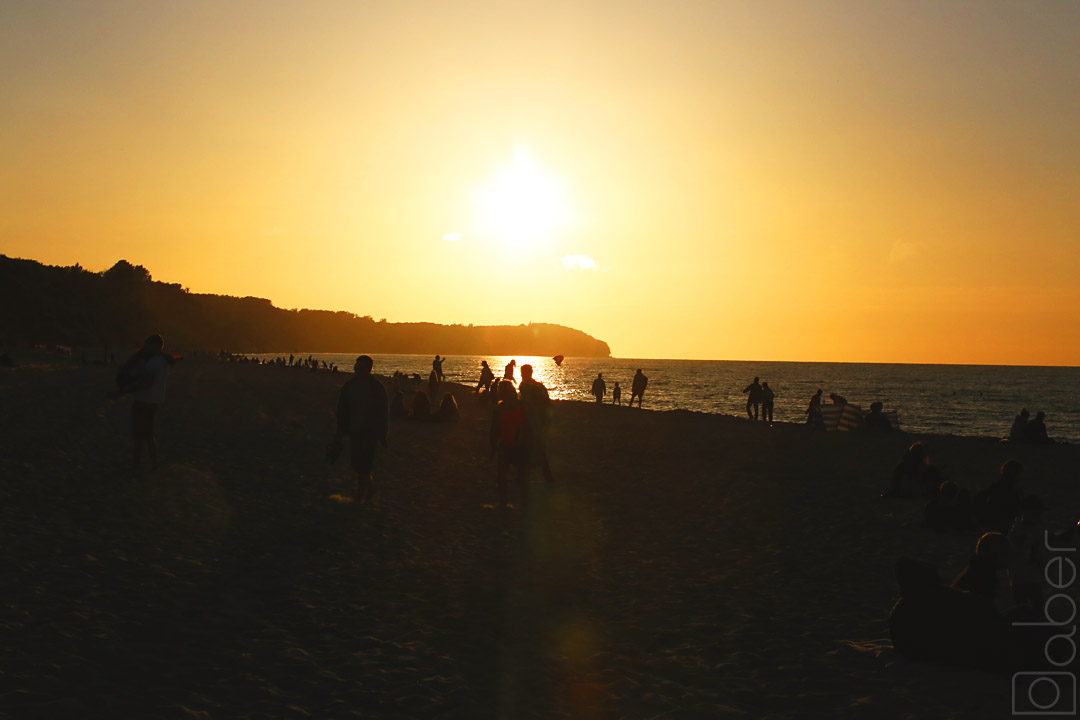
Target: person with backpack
{"x": 509, "y": 435}
{"x": 143, "y": 376}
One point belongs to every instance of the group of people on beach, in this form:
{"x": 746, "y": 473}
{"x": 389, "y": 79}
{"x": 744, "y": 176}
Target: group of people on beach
{"x": 638, "y": 384}
{"x": 1026, "y": 429}
{"x": 966, "y": 622}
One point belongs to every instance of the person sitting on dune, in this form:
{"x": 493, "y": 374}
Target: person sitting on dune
{"x": 1018, "y": 431}
{"x": 914, "y": 477}
{"x": 934, "y": 623}
{"x": 397, "y": 406}
{"x": 950, "y": 509}
{"x": 981, "y": 574}
{"x": 421, "y": 406}
{"x": 997, "y": 506}
{"x": 448, "y": 409}
{"x": 876, "y": 420}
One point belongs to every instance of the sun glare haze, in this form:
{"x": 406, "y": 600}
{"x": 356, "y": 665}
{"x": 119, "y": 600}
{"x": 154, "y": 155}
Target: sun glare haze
{"x": 844, "y": 180}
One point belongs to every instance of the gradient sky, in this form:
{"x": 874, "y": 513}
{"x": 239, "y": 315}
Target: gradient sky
{"x": 846, "y": 180}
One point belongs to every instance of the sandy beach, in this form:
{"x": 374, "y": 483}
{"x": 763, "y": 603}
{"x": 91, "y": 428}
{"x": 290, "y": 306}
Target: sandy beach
{"x": 683, "y": 565}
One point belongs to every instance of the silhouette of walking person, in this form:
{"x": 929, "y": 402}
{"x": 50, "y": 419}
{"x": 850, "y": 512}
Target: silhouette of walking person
{"x": 753, "y": 400}
{"x": 508, "y": 371}
{"x": 637, "y": 387}
{"x": 362, "y": 415}
{"x": 486, "y": 376}
{"x": 599, "y": 388}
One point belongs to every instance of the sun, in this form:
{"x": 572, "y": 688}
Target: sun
{"x": 523, "y": 208}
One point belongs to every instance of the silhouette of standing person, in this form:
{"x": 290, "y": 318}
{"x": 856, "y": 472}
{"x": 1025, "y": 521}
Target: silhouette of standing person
{"x": 616, "y": 394}
{"x": 150, "y": 369}
{"x": 813, "y": 413}
{"x": 767, "y": 397}
{"x": 508, "y": 442}
{"x": 486, "y": 376}
{"x": 537, "y": 403}
{"x": 599, "y": 388}
{"x": 637, "y": 387}
{"x": 362, "y": 415}
{"x": 753, "y": 400}
{"x": 436, "y": 367}
{"x": 508, "y": 371}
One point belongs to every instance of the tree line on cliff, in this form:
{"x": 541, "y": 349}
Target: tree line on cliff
{"x": 72, "y": 306}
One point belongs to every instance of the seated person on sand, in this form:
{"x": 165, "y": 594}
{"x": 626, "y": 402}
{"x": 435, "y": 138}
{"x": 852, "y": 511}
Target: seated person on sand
{"x": 981, "y": 574}
{"x": 876, "y": 420}
{"x": 397, "y": 406}
{"x": 996, "y": 507}
{"x": 448, "y": 409}
{"x": 837, "y": 399}
{"x": 1018, "y": 431}
{"x": 1036, "y": 429}
{"x": 914, "y": 477}
{"x": 421, "y": 406}
{"x": 950, "y": 509}
{"x": 509, "y": 435}
{"x": 1027, "y": 563}
{"x": 934, "y": 623}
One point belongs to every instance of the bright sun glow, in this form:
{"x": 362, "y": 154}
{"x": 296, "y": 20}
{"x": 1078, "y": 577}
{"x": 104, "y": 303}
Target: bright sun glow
{"x": 523, "y": 207}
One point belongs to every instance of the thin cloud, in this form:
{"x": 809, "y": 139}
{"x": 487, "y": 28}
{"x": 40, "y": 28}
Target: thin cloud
{"x": 901, "y": 251}
{"x": 578, "y": 262}
{"x": 452, "y": 237}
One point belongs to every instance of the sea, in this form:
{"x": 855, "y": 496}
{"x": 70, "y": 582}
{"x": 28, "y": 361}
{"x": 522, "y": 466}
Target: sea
{"x": 973, "y": 400}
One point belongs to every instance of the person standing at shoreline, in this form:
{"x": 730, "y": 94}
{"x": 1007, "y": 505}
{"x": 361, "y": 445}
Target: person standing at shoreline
{"x": 508, "y": 371}
{"x": 616, "y": 394}
{"x": 599, "y": 388}
{"x": 753, "y": 400}
{"x": 363, "y": 416}
{"x": 767, "y": 397}
{"x": 436, "y": 366}
{"x": 637, "y": 388}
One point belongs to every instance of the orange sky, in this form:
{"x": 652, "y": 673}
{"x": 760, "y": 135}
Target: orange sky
{"x": 852, "y": 181}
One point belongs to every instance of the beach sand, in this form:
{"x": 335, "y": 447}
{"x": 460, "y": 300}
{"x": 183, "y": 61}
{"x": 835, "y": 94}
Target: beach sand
{"x": 683, "y": 565}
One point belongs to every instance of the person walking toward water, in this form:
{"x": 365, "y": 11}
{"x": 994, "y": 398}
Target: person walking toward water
{"x": 537, "y": 403}
{"x": 508, "y": 371}
{"x": 599, "y": 388}
{"x": 486, "y": 376}
{"x": 767, "y": 396}
{"x": 144, "y": 374}
{"x": 637, "y": 388}
{"x": 753, "y": 400}
{"x": 362, "y": 415}
{"x": 616, "y": 394}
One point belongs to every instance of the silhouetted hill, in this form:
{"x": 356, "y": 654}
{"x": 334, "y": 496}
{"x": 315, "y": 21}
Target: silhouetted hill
{"x": 119, "y": 307}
